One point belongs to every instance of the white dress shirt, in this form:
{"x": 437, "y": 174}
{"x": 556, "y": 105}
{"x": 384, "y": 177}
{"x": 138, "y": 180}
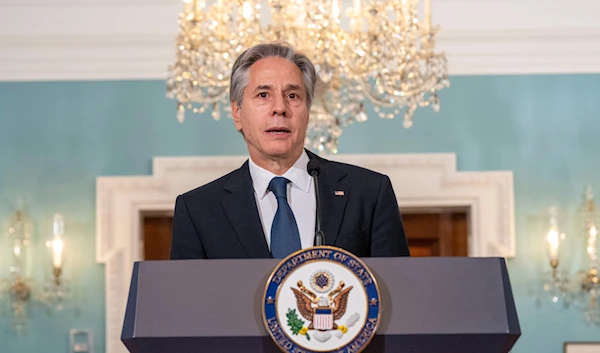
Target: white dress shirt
{"x": 300, "y": 195}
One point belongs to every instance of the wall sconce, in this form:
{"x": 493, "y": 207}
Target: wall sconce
{"x": 583, "y": 290}
{"x": 56, "y": 289}
{"x": 588, "y": 280}
{"x": 19, "y": 288}
{"x": 555, "y": 284}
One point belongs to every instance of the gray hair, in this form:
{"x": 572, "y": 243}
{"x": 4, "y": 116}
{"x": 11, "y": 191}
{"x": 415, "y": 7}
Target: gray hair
{"x": 240, "y": 76}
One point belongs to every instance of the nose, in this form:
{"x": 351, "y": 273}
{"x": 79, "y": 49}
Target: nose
{"x": 280, "y": 106}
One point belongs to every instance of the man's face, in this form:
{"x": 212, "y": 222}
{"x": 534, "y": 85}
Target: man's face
{"x": 273, "y": 116}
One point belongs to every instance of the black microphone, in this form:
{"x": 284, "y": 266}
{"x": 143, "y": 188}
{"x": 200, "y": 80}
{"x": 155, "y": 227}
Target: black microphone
{"x": 313, "y": 169}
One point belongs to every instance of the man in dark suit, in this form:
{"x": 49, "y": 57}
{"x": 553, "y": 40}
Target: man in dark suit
{"x": 267, "y": 207}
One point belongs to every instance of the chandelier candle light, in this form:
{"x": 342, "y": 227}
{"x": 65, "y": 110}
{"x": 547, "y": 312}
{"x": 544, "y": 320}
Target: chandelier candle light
{"x": 375, "y": 50}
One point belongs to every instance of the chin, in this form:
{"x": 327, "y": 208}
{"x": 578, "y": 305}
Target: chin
{"x": 281, "y": 150}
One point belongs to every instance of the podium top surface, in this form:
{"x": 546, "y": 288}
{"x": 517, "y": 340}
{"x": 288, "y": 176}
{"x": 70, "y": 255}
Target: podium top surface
{"x": 219, "y": 298}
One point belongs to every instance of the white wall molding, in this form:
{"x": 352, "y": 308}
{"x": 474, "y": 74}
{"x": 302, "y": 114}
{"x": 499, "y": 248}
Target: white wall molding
{"x": 419, "y": 180}
{"x": 95, "y": 57}
{"x": 529, "y": 51}
{"x": 134, "y": 39}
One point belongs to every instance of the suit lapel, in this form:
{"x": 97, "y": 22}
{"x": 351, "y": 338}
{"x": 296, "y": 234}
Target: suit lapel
{"x": 245, "y": 220}
{"x": 334, "y": 194}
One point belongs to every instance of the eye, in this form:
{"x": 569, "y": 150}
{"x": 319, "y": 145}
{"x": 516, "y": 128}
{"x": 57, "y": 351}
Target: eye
{"x": 263, "y": 94}
{"x": 293, "y": 95}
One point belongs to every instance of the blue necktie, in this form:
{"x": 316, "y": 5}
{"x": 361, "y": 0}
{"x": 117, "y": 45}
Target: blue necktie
{"x": 285, "y": 237}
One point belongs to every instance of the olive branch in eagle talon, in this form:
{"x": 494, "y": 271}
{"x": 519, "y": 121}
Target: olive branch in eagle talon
{"x": 308, "y": 301}
{"x": 295, "y": 324}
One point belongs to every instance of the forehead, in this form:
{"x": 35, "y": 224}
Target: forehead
{"x": 274, "y": 70}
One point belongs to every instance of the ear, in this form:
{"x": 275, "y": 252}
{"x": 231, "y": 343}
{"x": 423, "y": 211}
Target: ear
{"x": 235, "y": 112}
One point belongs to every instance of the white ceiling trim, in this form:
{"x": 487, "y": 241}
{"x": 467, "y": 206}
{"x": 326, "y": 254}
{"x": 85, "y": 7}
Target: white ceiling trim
{"x": 135, "y": 39}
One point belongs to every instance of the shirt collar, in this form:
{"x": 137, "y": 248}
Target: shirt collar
{"x": 297, "y": 175}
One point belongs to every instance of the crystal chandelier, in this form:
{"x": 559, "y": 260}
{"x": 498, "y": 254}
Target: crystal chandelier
{"x": 385, "y": 56}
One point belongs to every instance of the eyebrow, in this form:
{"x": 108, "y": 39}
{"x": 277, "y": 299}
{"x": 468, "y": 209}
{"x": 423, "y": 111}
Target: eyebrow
{"x": 290, "y": 87}
{"x": 263, "y": 87}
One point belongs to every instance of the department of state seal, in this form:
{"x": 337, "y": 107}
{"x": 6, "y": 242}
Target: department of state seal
{"x": 322, "y": 299}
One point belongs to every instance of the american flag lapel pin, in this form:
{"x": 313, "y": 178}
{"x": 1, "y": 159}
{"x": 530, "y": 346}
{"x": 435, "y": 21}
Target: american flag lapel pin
{"x": 339, "y": 193}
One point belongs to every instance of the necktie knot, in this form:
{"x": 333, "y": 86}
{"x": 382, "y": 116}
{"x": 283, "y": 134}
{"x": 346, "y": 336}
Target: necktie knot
{"x": 278, "y": 186}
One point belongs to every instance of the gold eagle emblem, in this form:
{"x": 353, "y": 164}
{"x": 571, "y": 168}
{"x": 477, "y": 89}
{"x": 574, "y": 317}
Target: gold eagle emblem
{"x": 308, "y": 302}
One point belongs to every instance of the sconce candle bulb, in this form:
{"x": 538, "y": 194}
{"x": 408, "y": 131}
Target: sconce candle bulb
{"x": 591, "y": 249}
{"x": 553, "y": 236}
{"x": 57, "y": 248}
{"x": 58, "y": 226}
{"x": 553, "y": 244}
{"x": 56, "y": 290}
{"x": 17, "y": 252}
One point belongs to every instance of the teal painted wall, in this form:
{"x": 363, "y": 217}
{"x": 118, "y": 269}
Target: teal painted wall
{"x": 57, "y": 137}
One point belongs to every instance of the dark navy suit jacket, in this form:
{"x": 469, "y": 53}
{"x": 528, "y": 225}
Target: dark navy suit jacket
{"x": 220, "y": 220}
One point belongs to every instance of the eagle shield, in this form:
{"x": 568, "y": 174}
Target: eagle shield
{"x": 323, "y": 319}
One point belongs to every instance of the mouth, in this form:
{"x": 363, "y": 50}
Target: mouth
{"x": 278, "y": 131}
